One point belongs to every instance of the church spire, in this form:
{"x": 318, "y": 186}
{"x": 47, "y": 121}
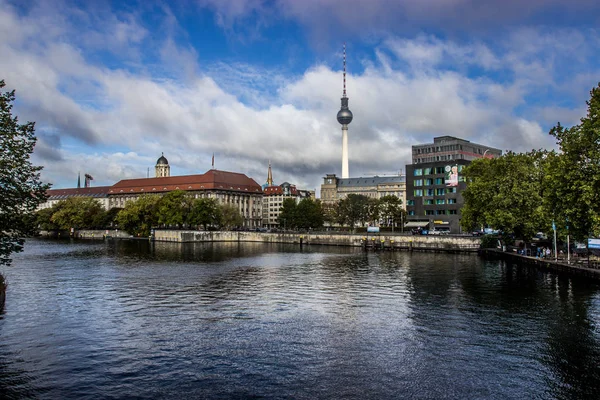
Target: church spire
{"x": 270, "y": 176}
{"x": 79, "y": 180}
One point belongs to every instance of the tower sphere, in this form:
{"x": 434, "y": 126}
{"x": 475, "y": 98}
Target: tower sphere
{"x": 344, "y": 116}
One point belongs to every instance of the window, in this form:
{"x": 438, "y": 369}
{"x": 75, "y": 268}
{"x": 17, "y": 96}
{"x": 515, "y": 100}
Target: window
{"x": 440, "y": 212}
{"x": 439, "y": 181}
{"x": 451, "y": 212}
{"x": 411, "y": 212}
{"x": 418, "y": 182}
{"x": 410, "y": 202}
{"x": 440, "y": 201}
{"x": 427, "y": 171}
{"x": 440, "y": 191}
{"x": 418, "y": 172}
{"x": 428, "y": 202}
{"x": 439, "y": 170}
{"x": 451, "y": 201}
{"x": 451, "y": 190}
{"x": 428, "y": 182}
{"x": 418, "y": 192}
{"x": 429, "y": 212}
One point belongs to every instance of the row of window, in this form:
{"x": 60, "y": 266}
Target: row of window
{"x": 429, "y": 181}
{"x": 429, "y": 202}
{"x": 435, "y": 212}
{"x": 433, "y": 170}
{"x": 433, "y": 192}
{"x": 452, "y": 147}
{"x": 440, "y": 158}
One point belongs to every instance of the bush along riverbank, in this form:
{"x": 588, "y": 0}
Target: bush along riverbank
{"x": 2, "y": 292}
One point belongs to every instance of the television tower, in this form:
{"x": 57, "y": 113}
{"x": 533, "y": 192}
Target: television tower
{"x": 344, "y": 117}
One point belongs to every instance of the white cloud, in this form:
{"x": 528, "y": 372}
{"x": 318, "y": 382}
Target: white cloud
{"x": 113, "y": 122}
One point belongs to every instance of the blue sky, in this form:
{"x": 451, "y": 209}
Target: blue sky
{"x": 111, "y": 85}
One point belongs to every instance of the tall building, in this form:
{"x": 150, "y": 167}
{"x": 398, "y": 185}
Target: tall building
{"x": 434, "y": 183}
{"x": 162, "y": 168}
{"x": 344, "y": 117}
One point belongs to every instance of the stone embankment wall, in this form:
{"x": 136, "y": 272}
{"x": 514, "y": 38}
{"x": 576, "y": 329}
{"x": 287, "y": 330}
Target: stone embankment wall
{"x": 394, "y": 242}
{"x": 87, "y": 234}
{"x": 382, "y": 241}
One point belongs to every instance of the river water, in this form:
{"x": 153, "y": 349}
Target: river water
{"x": 135, "y": 320}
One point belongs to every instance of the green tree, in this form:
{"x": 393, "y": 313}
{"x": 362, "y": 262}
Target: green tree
{"x": 288, "y": 218}
{"x": 309, "y": 214}
{"x": 173, "y": 208}
{"x": 205, "y": 212}
{"x": 230, "y": 216}
{"x": 506, "y": 193}
{"x": 373, "y": 211}
{"x": 21, "y": 190}
{"x": 139, "y": 216}
{"x": 391, "y": 210}
{"x": 43, "y": 219}
{"x": 573, "y": 174}
{"x": 353, "y": 209}
{"x": 78, "y": 212}
{"x": 109, "y": 218}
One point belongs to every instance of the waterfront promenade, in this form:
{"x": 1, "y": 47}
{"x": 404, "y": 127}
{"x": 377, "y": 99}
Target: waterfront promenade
{"x": 578, "y": 267}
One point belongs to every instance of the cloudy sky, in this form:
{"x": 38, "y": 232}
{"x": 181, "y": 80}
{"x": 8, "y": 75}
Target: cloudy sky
{"x": 111, "y": 85}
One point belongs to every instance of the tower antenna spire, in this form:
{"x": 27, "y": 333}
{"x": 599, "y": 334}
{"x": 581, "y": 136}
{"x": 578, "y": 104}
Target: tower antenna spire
{"x": 344, "y": 95}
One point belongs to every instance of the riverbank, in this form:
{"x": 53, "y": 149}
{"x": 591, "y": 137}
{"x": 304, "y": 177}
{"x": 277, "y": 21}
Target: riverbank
{"x": 544, "y": 264}
{"x": 376, "y": 242}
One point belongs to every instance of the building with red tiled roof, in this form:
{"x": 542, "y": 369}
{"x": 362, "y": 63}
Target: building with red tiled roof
{"x": 226, "y": 187}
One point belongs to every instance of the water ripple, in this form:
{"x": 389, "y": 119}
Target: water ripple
{"x": 135, "y": 320}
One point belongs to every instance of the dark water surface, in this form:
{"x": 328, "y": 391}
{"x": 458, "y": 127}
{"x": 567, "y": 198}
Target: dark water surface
{"x": 130, "y": 320}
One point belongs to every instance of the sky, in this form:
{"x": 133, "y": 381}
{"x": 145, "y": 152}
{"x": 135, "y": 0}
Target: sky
{"x": 112, "y": 85}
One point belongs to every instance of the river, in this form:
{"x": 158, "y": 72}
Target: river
{"x": 133, "y": 320}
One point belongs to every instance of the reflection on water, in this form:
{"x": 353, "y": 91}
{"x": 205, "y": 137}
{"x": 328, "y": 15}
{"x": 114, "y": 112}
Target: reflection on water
{"x": 163, "y": 320}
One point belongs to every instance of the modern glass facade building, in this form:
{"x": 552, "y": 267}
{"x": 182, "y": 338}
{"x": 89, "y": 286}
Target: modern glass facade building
{"x": 434, "y": 182}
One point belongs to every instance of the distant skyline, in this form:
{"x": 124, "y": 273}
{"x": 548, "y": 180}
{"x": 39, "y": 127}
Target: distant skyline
{"x": 111, "y": 85}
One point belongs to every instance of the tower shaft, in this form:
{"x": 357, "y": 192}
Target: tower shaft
{"x": 345, "y": 172}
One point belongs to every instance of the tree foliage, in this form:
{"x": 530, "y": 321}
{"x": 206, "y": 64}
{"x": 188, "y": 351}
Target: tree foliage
{"x": 525, "y": 193}
{"x": 230, "y": 216}
{"x": 140, "y": 216}
{"x": 173, "y": 208}
{"x": 352, "y": 209}
{"x": 78, "y": 213}
{"x": 21, "y": 189}
{"x": 206, "y": 212}
{"x": 573, "y": 175}
{"x": 391, "y": 211}
{"x": 506, "y": 193}
{"x": 307, "y": 214}
{"x": 287, "y": 214}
